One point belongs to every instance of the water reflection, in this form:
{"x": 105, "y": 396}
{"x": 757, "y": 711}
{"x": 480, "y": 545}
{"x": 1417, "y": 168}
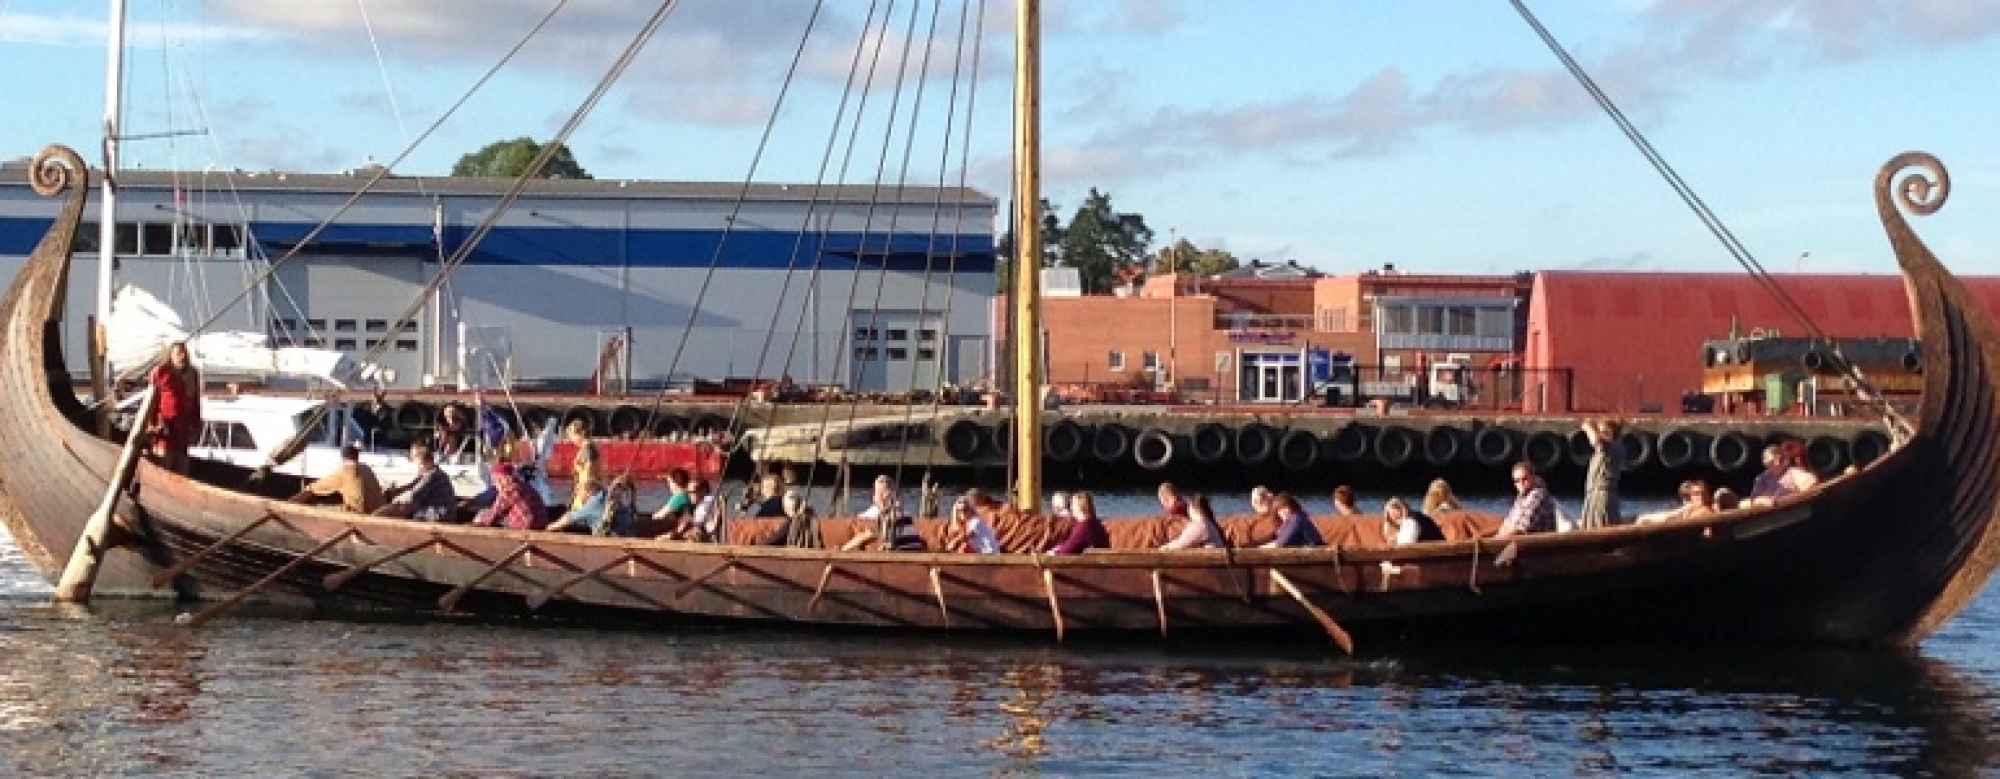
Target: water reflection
{"x": 113, "y": 693}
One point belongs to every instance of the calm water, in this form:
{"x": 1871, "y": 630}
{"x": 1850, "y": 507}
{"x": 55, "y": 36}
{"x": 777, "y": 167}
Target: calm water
{"x": 125, "y": 692}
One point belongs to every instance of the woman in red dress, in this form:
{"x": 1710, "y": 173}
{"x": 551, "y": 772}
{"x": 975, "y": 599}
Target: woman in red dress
{"x": 177, "y": 418}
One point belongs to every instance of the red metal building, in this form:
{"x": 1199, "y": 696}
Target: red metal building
{"x": 1634, "y": 340}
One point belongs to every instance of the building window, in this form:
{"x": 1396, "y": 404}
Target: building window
{"x": 927, "y": 335}
{"x": 156, "y": 238}
{"x": 1430, "y": 320}
{"x": 343, "y": 325}
{"x": 898, "y": 353}
{"x": 406, "y": 345}
{"x": 899, "y": 334}
{"x": 125, "y": 239}
{"x": 315, "y": 343}
{"x": 864, "y": 335}
{"x": 865, "y": 354}
{"x": 1116, "y": 361}
{"x": 344, "y": 344}
{"x": 316, "y": 325}
{"x": 378, "y": 325}
{"x": 226, "y": 238}
{"x": 1496, "y": 323}
{"x": 1395, "y": 320}
{"x": 1333, "y": 319}
{"x": 1459, "y": 320}
{"x": 1149, "y": 361}
{"x": 926, "y": 354}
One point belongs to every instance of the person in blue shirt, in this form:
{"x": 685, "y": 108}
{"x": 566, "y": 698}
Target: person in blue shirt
{"x": 1297, "y": 527}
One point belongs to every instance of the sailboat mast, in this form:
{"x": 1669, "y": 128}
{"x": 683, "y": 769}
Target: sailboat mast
{"x": 1027, "y": 255}
{"x": 107, "y": 214}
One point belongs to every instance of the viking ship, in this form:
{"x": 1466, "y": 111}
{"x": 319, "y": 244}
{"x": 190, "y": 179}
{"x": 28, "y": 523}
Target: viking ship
{"x": 1879, "y": 556}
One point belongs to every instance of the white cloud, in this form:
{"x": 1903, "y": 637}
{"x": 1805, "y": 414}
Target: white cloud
{"x": 39, "y": 30}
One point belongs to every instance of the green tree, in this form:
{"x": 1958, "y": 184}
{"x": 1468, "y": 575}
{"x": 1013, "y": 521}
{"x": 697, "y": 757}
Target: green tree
{"x": 1052, "y": 231}
{"x": 509, "y": 159}
{"x": 1185, "y": 257}
{"x": 1098, "y": 240}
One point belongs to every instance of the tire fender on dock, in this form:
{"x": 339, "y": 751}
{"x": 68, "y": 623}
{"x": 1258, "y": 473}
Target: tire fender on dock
{"x": 1063, "y": 441}
{"x": 1209, "y": 443}
{"x": 1298, "y": 450}
{"x": 1111, "y": 443}
{"x": 1678, "y": 449}
{"x": 1394, "y": 446}
{"x": 1867, "y": 446}
{"x": 1826, "y": 455}
{"x": 415, "y": 416}
{"x": 1352, "y": 442}
{"x": 669, "y": 426}
{"x": 1579, "y": 448}
{"x": 1153, "y": 449}
{"x": 1441, "y": 445}
{"x": 1639, "y": 446}
{"x": 1544, "y": 450}
{"x": 1493, "y": 446}
{"x": 963, "y": 439}
{"x": 1255, "y": 443}
{"x": 1732, "y": 452}
{"x": 1000, "y": 438}
{"x": 627, "y": 420}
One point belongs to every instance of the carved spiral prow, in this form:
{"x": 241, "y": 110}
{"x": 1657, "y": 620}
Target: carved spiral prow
{"x": 1916, "y": 183}
{"x": 55, "y": 169}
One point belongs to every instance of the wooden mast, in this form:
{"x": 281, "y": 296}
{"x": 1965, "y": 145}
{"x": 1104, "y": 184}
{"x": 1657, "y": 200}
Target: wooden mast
{"x": 1027, "y": 256}
{"x": 107, "y": 215}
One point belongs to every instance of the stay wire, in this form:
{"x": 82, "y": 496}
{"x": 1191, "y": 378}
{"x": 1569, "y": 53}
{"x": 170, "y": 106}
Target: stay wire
{"x": 1707, "y": 216}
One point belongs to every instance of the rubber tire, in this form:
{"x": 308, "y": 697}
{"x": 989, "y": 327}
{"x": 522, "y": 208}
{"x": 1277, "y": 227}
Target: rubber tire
{"x": 1732, "y": 452}
{"x": 1111, "y": 443}
{"x": 1679, "y": 449}
{"x": 1544, "y": 451}
{"x": 1209, "y": 443}
{"x": 1298, "y": 450}
{"x": 1441, "y": 445}
{"x": 593, "y": 423}
{"x": 1352, "y": 443}
{"x": 1579, "y": 448}
{"x": 1255, "y": 443}
{"x": 962, "y": 440}
{"x": 1639, "y": 446}
{"x": 669, "y": 425}
{"x": 1826, "y": 455}
{"x": 1493, "y": 446}
{"x": 1153, "y": 449}
{"x": 1867, "y": 447}
{"x": 415, "y": 416}
{"x": 1063, "y": 441}
{"x": 1395, "y": 446}
{"x": 626, "y": 419}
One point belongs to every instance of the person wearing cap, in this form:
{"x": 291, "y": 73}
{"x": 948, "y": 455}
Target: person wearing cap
{"x": 353, "y": 481}
{"x": 515, "y": 506}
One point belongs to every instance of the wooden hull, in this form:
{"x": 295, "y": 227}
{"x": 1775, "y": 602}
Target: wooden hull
{"x": 1881, "y": 556}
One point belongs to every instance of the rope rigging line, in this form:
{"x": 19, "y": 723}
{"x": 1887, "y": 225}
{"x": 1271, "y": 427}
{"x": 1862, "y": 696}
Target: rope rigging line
{"x": 500, "y": 209}
{"x": 1714, "y": 223}
{"x": 654, "y": 412}
{"x": 959, "y": 66}
{"x": 895, "y": 217}
{"x": 386, "y": 169}
{"x": 806, "y": 224}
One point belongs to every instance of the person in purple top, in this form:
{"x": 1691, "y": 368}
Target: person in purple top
{"x": 1088, "y": 531}
{"x": 1297, "y": 528}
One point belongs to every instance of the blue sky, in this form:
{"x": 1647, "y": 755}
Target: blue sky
{"x": 1439, "y": 136}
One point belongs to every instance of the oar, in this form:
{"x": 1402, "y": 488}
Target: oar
{"x": 162, "y": 578}
{"x": 937, "y": 588}
{"x": 689, "y": 585}
{"x": 541, "y": 596}
{"x": 820, "y": 589}
{"x": 1055, "y": 609}
{"x": 1160, "y": 600}
{"x": 79, "y": 576}
{"x": 216, "y": 610}
{"x": 1333, "y": 628}
{"x": 339, "y": 579}
{"x": 449, "y": 601}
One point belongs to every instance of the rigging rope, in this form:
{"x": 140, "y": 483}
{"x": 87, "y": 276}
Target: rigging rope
{"x": 1851, "y": 373}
